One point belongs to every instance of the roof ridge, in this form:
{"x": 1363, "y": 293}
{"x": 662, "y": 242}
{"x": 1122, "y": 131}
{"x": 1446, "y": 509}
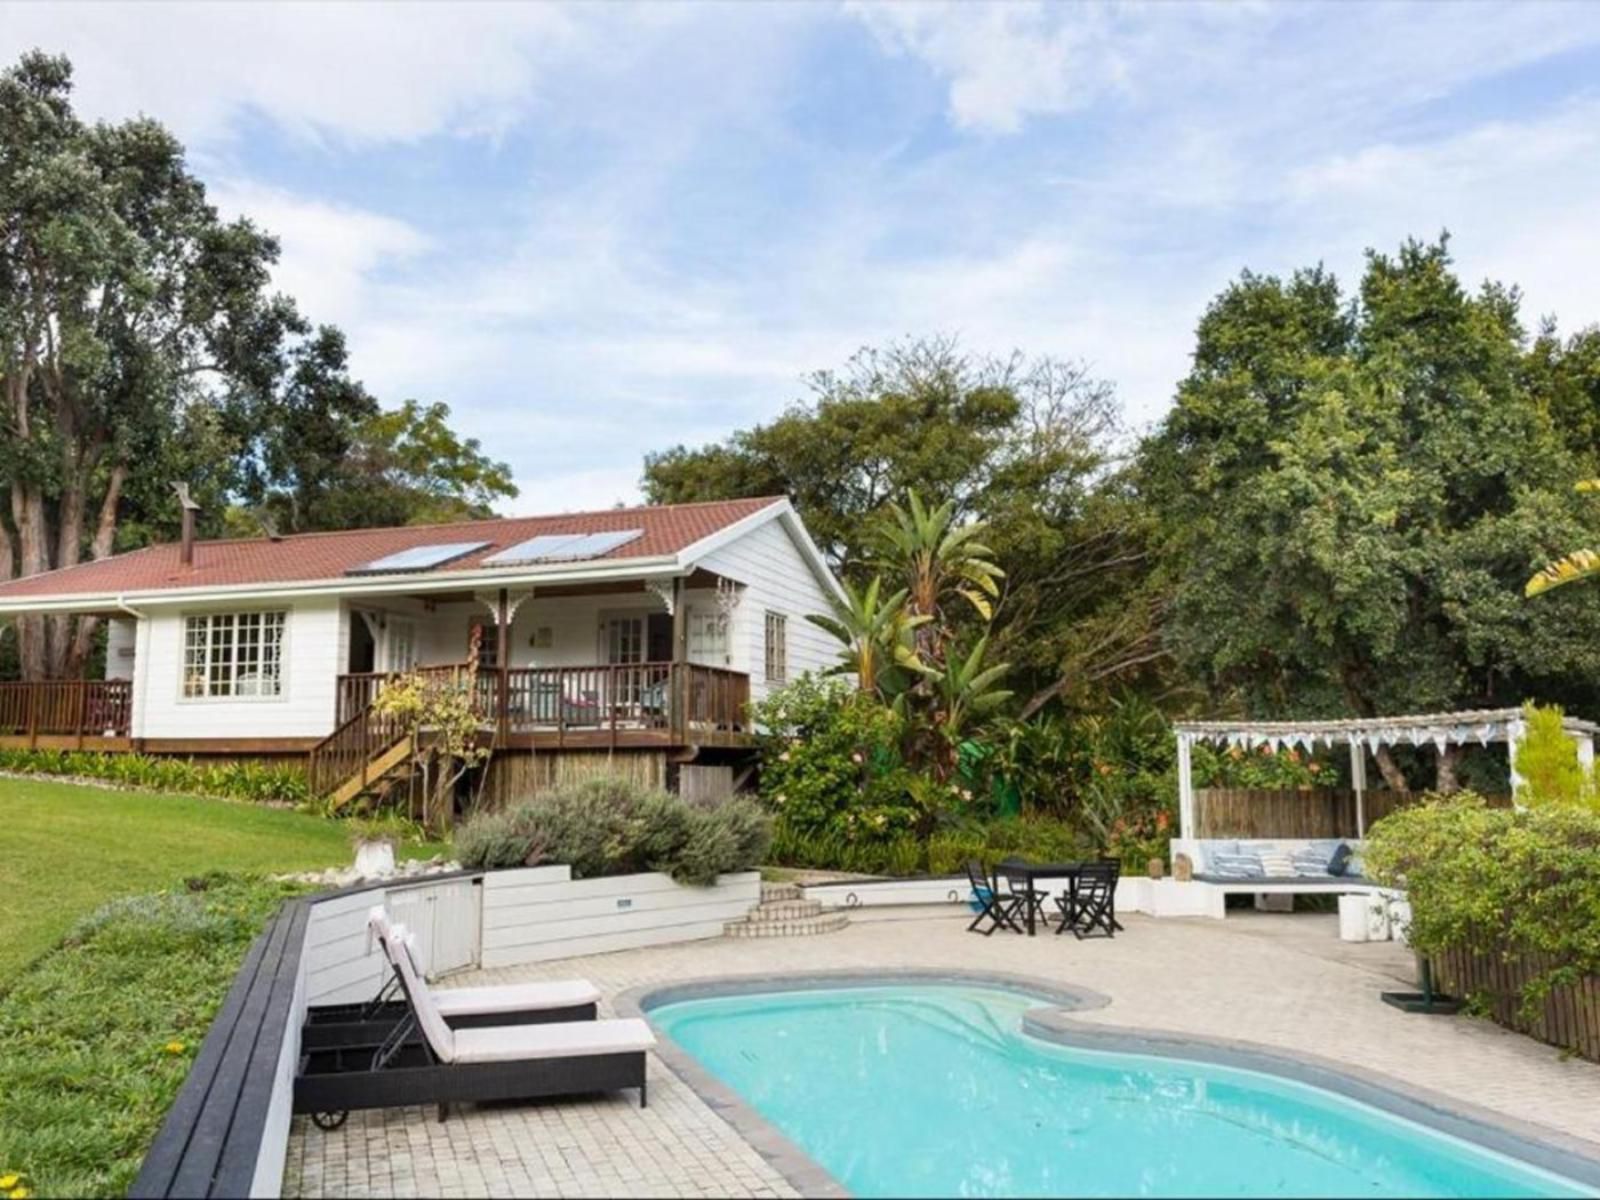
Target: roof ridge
{"x": 327, "y": 533}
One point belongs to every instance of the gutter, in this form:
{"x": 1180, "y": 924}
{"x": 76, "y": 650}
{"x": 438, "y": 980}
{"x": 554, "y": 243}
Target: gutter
{"x": 659, "y": 566}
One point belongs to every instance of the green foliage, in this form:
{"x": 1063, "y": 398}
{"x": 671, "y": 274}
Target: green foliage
{"x": 1497, "y": 881}
{"x": 830, "y": 760}
{"x": 1263, "y": 767}
{"x": 610, "y": 826}
{"x": 876, "y": 635}
{"x": 1352, "y": 492}
{"x": 97, "y": 1037}
{"x": 939, "y": 558}
{"x": 242, "y": 780}
{"x": 1025, "y": 447}
{"x": 1547, "y": 760}
{"x": 447, "y": 709}
{"x": 944, "y": 853}
{"x": 1112, "y": 774}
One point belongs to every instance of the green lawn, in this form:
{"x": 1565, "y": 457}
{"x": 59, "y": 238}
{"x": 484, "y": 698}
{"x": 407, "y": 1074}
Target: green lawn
{"x": 67, "y": 849}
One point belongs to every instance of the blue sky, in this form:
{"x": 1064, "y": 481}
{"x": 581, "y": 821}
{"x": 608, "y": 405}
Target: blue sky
{"x": 600, "y": 230}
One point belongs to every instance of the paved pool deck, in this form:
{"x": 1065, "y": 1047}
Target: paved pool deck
{"x": 1279, "y": 982}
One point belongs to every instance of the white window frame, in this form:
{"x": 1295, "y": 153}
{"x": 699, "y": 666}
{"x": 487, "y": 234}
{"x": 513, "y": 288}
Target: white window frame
{"x": 775, "y": 666}
{"x": 208, "y": 622}
{"x": 709, "y": 643}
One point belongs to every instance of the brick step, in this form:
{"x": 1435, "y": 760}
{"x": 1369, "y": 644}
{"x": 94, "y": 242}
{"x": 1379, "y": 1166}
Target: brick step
{"x": 798, "y": 927}
{"x": 785, "y": 910}
{"x": 779, "y": 891}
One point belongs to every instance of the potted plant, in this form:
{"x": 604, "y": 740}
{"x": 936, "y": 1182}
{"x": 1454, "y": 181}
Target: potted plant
{"x": 374, "y": 839}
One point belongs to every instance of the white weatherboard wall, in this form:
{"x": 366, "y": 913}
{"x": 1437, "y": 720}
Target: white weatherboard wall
{"x": 541, "y": 913}
{"x": 312, "y": 658}
{"x": 777, "y": 578}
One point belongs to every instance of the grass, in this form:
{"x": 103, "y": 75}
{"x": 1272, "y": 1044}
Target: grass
{"x": 96, "y": 1038}
{"x": 67, "y": 849}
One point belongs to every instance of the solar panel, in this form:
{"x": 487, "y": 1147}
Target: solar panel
{"x": 562, "y": 547}
{"x": 417, "y": 558}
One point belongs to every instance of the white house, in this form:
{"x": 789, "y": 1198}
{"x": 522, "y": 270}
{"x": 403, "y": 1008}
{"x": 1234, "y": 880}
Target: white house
{"x": 640, "y": 632}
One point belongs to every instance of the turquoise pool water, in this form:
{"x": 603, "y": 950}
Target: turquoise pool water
{"x": 933, "y": 1090}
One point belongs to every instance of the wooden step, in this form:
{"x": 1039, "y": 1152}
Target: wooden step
{"x": 377, "y": 767}
{"x": 795, "y": 927}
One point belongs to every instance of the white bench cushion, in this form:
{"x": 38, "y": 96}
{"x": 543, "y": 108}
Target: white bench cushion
{"x": 568, "y": 1039}
{"x": 514, "y": 997}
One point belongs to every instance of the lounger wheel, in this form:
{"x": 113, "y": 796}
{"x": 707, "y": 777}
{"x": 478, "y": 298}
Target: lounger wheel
{"x": 330, "y": 1120}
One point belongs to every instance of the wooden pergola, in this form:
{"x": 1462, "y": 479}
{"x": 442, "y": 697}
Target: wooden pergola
{"x": 1480, "y": 727}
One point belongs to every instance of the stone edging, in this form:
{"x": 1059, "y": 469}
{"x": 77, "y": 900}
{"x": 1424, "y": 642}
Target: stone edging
{"x": 1536, "y": 1145}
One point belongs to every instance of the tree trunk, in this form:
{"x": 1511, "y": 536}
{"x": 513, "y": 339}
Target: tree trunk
{"x": 1445, "y": 780}
{"x": 105, "y": 532}
{"x": 1392, "y": 778}
{"x": 33, "y": 557}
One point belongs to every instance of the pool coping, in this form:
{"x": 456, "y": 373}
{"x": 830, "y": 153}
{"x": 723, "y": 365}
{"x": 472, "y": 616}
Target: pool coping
{"x": 1563, "y": 1154}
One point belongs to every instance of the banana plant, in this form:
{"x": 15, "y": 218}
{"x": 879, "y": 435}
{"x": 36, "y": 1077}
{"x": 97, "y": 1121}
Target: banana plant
{"x": 938, "y": 559}
{"x": 877, "y": 635}
{"x": 1580, "y": 564}
{"x": 964, "y": 691}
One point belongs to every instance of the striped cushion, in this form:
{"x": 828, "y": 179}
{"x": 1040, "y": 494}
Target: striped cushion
{"x": 1311, "y": 862}
{"x": 1277, "y": 865}
{"x": 1237, "y": 866}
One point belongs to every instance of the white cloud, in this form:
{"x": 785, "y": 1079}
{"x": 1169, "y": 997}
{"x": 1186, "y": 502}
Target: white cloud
{"x": 328, "y": 253}
{"x": 353, "y": 72}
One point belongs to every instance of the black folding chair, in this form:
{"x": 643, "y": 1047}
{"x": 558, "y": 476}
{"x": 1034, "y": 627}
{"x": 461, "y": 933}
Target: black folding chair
{"x": 1020, "y": 884}
{"x": 1089, "y": 907}
{"x": 998, "y": 908}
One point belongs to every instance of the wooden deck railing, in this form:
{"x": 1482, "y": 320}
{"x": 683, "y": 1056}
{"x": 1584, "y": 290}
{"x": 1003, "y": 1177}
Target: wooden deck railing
{"x": 67, "y": 707}
{"x": 678, "y": 699}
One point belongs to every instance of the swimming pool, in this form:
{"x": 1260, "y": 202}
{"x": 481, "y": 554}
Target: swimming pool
{"x": 933, "y": 1089}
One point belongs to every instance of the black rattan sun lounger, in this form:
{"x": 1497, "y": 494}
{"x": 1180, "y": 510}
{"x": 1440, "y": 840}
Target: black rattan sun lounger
{"x": 503, "y": 1062}
{"x": 370, "y": 1022}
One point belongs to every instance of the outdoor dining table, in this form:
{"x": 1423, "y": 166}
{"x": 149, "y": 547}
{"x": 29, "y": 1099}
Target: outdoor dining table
{"x": 1031, "y": 872}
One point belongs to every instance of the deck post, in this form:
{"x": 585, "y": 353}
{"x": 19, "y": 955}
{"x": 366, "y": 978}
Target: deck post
{"x": 680, "y": 661}
{"x": 1186, "y": 827}
{"x": 503, "y": 661}
{"x": 1358, "y": 781}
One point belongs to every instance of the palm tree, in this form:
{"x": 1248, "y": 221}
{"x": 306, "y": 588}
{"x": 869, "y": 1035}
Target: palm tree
{"x": 877, "y": 636}
{"x": 1580, "y": 564}
{"x": 938, "y": 559}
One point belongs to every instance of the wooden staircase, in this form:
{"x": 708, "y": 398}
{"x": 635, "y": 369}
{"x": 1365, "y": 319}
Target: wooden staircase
{"x": 358, "y": 754}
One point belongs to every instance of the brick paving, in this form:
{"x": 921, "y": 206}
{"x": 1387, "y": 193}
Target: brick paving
{"x": 1283, "y": 982}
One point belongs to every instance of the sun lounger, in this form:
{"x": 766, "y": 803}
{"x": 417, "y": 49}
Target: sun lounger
{"x": 485, "y": 1063}
{"x": 370, "y": 1022}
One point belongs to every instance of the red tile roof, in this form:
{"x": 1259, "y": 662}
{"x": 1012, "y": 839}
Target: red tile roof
{"x": 304, "y": 557}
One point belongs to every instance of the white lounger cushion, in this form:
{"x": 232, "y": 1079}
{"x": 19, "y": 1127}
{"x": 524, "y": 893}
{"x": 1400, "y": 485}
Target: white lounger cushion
{"x": 514, "y": 997}
{"x": 569, "y": 1039}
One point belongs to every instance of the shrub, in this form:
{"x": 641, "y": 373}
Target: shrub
{"x": 944, "y": 853}
{"x": 253, "y": 781}
{"x": 1547, "y": 760}
{"x": 614, "y": 827}
{"x": 830, "y": 761}
{"x": 1497, "y": 881}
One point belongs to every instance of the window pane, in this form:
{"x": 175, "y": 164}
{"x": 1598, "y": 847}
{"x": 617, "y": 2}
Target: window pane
{"x": 233, "y": 654}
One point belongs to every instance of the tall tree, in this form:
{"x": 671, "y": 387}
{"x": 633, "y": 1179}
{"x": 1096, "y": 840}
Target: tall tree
{"x": 1353, "y": 492}
{"x": 1029, "y": 447}
{"x": 123, "y": 299}
{"x": 324, "y": 454}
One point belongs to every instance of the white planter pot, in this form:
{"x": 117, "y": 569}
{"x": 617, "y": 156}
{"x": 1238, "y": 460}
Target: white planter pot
{"x": 374, "y": 858}
{"x": 1377, "y": 919}
{"x": 1353, "y": 918}
{"x": 1400, "y": 920}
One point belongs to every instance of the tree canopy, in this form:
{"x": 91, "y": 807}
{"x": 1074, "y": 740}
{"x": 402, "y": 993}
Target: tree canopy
{"x": 141, "y": 342}
{"x": 1351, "y": 492}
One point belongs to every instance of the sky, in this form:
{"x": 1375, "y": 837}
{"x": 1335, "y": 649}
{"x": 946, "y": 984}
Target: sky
{"x": 601, "y": 230}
